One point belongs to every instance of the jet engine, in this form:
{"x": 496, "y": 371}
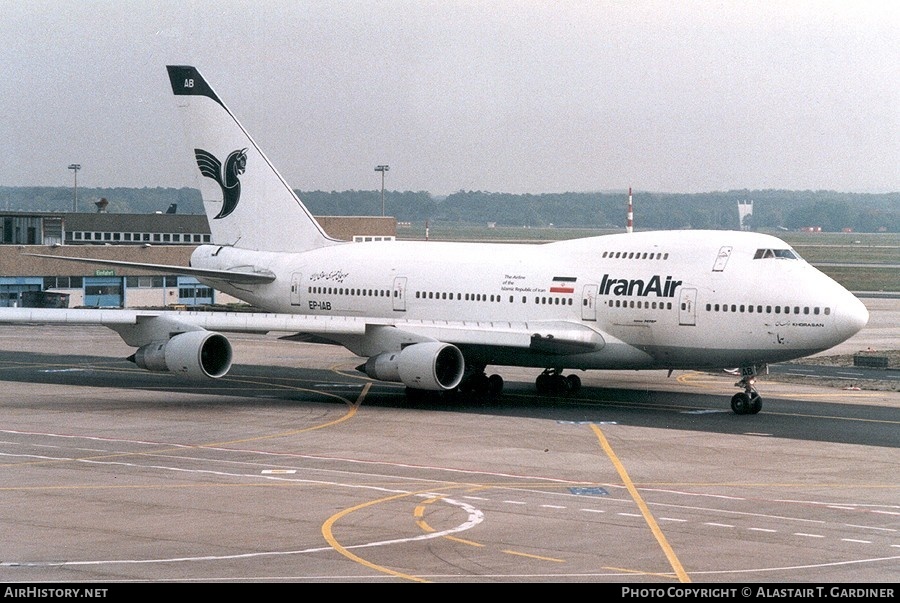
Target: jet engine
{"x": 432, "y": 365}
{"x": 191, "y": 354}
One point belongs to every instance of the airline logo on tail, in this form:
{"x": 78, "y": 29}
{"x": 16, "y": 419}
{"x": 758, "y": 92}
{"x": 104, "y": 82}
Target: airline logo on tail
{"x": 228, "y": 177}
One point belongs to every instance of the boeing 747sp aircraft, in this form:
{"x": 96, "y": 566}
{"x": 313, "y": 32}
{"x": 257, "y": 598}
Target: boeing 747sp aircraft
{"x": 434, "y": 315}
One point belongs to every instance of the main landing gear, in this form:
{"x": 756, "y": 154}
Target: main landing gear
{"x": 748, "y": 402}
{"x": 550, "y": 382}
{"x": 475, "y": 387}
{"x": 553, "y": 382}
{"x": 479, "y": 384}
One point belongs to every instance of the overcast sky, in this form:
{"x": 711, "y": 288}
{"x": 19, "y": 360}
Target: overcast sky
{"x": 492, "y": 95}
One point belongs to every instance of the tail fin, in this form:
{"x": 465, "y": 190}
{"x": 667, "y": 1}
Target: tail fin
{"x": 247, "y": 202}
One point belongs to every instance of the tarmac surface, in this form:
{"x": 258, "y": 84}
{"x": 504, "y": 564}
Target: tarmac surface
{"x": 294, "y": 467}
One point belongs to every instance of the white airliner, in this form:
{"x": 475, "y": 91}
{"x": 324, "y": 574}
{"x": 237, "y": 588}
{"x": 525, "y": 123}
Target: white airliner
{"x": 434, "y": 315}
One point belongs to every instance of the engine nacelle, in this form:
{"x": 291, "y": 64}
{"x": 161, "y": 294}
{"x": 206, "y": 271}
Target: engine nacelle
{"x": 431, "y": 365}
{"x": 192, "y": 354}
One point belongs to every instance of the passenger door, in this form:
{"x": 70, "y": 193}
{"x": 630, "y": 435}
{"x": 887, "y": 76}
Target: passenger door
{"x": 687, "y": 310}
{"x": 399, "y": 294}
{"x": 589, "y": 302}
{"x": 296, "y": 279}
{"x": 722, "y": 258}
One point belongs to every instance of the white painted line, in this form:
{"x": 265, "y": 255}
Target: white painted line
{"x": 702, "y": 412}
{"x": 338, "y": 385}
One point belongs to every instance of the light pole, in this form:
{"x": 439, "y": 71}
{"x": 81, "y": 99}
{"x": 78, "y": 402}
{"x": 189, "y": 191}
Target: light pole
{"x": 382, "y": 169}
{"x": 75, "y": 167}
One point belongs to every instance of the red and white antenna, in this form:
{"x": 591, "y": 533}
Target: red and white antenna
{"x": 629, "y": 222}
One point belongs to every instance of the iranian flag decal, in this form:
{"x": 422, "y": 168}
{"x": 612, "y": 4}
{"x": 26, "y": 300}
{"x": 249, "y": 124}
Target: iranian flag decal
{"x": 563, "y": 284}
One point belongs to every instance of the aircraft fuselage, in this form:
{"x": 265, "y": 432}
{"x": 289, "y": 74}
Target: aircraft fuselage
{"x": 673, "y": 299}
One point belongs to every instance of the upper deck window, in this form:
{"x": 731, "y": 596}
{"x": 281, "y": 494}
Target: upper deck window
{"x": 787, "y": 254}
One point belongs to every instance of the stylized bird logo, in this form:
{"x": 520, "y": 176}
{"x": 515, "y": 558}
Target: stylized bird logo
{"x": 228, "y": 178}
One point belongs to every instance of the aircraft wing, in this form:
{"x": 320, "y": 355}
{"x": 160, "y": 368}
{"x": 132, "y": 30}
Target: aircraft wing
{"x": 139, "y": 327}
{"x": 230, "y": 276}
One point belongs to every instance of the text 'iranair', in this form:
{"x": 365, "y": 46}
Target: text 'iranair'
{"x": 623, "y": 286}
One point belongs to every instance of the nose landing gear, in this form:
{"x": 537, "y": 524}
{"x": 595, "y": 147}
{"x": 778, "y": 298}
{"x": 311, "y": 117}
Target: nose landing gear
{"x": 749, "y": 401}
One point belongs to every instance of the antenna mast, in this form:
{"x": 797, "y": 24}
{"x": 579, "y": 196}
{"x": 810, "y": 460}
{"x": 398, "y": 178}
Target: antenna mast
{"x": 629, "y": 222}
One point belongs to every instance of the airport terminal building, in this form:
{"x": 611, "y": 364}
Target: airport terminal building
{"x": 147, "y": 238}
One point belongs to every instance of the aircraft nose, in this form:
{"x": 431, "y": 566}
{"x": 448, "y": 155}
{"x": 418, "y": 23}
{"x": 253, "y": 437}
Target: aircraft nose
{"x": 851, "y": 317}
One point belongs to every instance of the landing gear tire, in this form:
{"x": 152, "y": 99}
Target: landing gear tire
{"x": 740, "y": 403}
{"x": 553, "y": 383}
{"x": 495, "y": 386}
{"x": 755, "y": 403}
{"x": 542, "y": 383}
{"x": 746, "y": 403}
{"x": 481, "y": 386}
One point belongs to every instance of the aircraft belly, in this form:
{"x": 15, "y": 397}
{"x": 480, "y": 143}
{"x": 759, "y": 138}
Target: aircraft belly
{"x": 614, "y": 355}
{"x": 677, "y": 357}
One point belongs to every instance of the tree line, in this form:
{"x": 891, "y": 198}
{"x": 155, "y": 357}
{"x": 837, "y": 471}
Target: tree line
{"x": 828, "y": 210}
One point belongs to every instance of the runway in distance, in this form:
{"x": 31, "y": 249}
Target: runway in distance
{"x": 435, "y": 315}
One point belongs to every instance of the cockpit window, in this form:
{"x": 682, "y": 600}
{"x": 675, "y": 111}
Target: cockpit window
{"x": 786, "y": 254}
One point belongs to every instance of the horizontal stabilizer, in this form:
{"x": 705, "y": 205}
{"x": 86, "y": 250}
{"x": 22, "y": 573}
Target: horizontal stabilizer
{"x": 230, "y": 276}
